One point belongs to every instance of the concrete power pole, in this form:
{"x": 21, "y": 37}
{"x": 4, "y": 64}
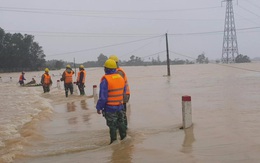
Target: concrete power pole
{"x": 230, "y": 47}
{"x": 168, "y": 59}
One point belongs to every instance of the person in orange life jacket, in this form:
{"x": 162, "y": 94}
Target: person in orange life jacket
{"x": 46, "y": 81}
{"x": 110, "y": 102}
{"x": 81, "y": 79}
{"x": 67, "y": 77}
{"x": 21, "y": 78}
{"x": 127, "y": 94}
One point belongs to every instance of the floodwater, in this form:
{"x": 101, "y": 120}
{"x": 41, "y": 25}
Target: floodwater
{"x": 43, "y": 128}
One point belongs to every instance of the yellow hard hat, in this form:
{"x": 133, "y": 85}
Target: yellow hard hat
{"x": 114, "y": 57}
{"x": 68, "y": 66}
{"x": 110, "y": 63}
{"x": 81, "y": 66}
{"x": 47, "y": 70}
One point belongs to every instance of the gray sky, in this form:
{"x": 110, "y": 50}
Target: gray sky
{"x": 82, "y": 29}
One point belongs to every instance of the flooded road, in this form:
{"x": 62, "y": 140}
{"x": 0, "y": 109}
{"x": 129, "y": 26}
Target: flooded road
{"x": 225, "y": 114}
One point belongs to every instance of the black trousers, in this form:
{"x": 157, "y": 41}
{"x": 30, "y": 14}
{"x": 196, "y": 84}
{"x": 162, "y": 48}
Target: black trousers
{"x": 46, "y": 88}
{"x": 68, "y": 87}
{"x": 81, "y": 87}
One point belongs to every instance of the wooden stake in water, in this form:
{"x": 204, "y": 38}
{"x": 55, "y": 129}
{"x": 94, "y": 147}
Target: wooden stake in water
{"x": 186, "y": 112}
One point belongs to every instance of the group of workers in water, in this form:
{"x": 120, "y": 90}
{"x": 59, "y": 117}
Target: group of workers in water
{"x": 67, "y": 77}
{"x": 114, "y": 93}
{"x": 22, "y": 78}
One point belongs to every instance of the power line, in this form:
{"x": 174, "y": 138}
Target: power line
{"x": 104, "y": 14}
{"x": 153, "y": 54}
{"x": 129, "y": 18}
{"x": 253, "y": 4}
{"x": 213, "y": 32}
{"x": 82, "y": 34}
{"x": 183, "y": 55}
{"x": 40, "y": 10}
{"x": 137, "y": 49}
{"x": 84, "y": 50}
{"x": 249, "y": 11}
{"x": 102, "y": 47}
{"x": 249, "y": 20}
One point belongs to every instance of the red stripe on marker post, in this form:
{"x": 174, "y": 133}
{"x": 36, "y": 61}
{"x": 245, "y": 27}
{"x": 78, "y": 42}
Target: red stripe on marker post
{"x": 186, "y": 98}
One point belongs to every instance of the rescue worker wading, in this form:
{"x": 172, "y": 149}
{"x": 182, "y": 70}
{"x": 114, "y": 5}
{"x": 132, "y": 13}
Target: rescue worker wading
{"x": 110, "y": 102}
{"x": 81, "y": 79}
{"x": 67, "y": 77}
{"x": 46, "y": 81}
{"x": 127, "y": 94}
{"x": 21, "y": 79}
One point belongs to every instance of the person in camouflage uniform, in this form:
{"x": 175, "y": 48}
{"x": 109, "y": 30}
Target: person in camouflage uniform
{"x": 110, "y": 102}
{"x": 127, "y": 93}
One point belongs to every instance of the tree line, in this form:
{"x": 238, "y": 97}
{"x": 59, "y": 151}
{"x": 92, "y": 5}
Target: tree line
{"x": 133, "y": 61}
{"x": 21, "y": 53}
{"x": 137, "y": 61}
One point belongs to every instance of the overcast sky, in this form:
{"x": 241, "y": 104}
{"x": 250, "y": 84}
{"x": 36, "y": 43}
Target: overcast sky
{"x": 82, "y": 29}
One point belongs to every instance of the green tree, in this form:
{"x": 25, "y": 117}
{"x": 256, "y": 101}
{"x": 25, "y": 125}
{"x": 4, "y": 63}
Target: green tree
{"x": 36, "y": 56}
{"x": 20, "y": 52}
{"x": 2, "y": 33}
{"x": 217, "y": 61}
{"x": 188, "y": 62}
{"x": 59, "y": 64}
{"x": 55, "y": 64}
{"x": 135, "y": 61}
{"x": 132, "y": 58}
{"x": 177, "y": 61}
{"x": 242, "y": 59}
{"x": 202, "y": 59}
{"x": 101, "y": 60}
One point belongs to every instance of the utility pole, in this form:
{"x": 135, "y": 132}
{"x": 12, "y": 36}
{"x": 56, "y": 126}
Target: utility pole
{"x": 230, "y": 46}
{"x": 168, "y": 59}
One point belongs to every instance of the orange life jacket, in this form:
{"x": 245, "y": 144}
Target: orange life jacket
{"x": 84, "y": 77}
{"x": 21, "y": 77}
{"x": 47, "y": 79}
{"x": 125, "y": 78}
{"x": 68, "y": 77}
{"x": 116, "y": 86}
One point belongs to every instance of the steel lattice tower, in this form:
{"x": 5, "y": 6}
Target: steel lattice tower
{"x": 230, "y": 47}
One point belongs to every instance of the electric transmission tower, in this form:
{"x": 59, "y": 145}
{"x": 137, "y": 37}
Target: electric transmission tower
{"x": 230, "y": 47}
